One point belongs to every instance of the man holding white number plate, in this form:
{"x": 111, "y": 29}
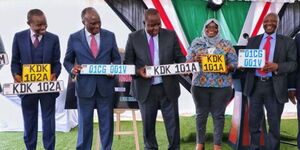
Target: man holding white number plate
{"x": 267, "y": 86}
{"x": 154, "y": 46}
{"x": 93, "y": 45}
{"x": 37, "y": 47}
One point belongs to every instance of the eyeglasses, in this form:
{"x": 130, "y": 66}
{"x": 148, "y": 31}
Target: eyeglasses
{"x": 211, "y": 27}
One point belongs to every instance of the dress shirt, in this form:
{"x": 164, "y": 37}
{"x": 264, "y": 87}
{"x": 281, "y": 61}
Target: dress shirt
{"x": 272, "y": 50}
{"x": 89, "y": 38}
{"x": 32, "y": 33}
{"x": 156, "y": 80}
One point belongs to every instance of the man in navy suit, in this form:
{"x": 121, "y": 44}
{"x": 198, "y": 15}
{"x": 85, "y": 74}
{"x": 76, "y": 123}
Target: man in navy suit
{"x": 93, "y": 45}
{"x": 37, "y": 46}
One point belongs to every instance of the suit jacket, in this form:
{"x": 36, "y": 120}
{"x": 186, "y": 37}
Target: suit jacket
{"x": 138, "y": 53}
{"x": 21, "y": 52}
{"x": 285, "y": 56}
{"x": 294, "y": 80}
{"x": 78, "y": 50}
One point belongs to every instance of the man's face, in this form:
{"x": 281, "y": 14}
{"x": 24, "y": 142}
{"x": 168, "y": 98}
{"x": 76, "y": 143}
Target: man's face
{"x": 270, "y": 23}
{"x": 92, "y": 22}
{"x": 153, "y": 24}
{"x": 38, "y": 24}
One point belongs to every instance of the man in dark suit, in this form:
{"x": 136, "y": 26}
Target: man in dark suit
{"x": 93, "y": 45}
{"x": 148, "y": 47}
{"x": 37, "y": 46}
{"x": 294, "y": 86}
{"x": 268, "y": 86}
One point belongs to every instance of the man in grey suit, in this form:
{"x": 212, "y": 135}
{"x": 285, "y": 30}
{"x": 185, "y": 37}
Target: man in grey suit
{"x": 268, "y": 86}
{"x": 148, "y": 47}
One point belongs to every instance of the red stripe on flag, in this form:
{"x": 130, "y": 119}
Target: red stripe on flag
{"x": 166, "y": 21}
{"x": 261, "y": 19}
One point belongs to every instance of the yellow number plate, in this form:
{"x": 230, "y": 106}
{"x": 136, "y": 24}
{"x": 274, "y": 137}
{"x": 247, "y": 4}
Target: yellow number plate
{"x": 213, "y": 63}
{"x": 36, "y": 72}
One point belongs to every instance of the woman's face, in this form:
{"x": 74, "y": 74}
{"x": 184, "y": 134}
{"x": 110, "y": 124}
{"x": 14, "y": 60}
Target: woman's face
{"x": 211, "y": 30}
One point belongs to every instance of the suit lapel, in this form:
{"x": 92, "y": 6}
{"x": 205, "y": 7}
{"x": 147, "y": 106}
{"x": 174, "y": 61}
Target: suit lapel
{"x": 277, "y": 47}
{"x": 145, "y": 44}
{"x": 258, "y": 41}
{"x": 27, "y": 47}
{"x": 160, "y": 42}
{"x": 102, "y": 42}
{"x": 45, "y": 48}
{"x": 85, "y": 43}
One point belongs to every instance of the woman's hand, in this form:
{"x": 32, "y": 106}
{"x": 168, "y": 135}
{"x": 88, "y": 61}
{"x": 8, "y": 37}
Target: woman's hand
{"x": 199, "y": 57}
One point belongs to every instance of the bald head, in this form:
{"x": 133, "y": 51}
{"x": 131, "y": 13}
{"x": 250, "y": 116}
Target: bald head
{"x": 91, "y": 20}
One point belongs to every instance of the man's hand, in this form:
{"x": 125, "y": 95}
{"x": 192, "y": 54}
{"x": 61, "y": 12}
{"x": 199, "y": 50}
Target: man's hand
{"x": 76, "y": 69}
{"x": 142, "y": 72}
{"x": 187, "y": 73}
{"x": 228, "y": 69}
{"x": 17, "y": 78}
{"x": 110, "y": 75}
{"x": 189, "y": 61}
{"x": 292, "y": 96}
{"x": 270, "y": 67}
{"x": 53, "y": 77}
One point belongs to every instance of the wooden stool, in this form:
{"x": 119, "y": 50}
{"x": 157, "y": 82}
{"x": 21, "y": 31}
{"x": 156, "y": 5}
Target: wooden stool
{"x": 118, "y": 132}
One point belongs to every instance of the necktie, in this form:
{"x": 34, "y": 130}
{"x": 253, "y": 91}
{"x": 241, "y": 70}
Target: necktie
{"x": 36, "y": 40}
{"x": 151, "y": 46}
{"x": 267, "y": 48}
{"x": 94, "y": 46}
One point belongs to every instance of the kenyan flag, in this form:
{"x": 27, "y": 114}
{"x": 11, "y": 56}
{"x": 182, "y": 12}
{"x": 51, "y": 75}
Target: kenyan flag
{"x": 187, "y": 17}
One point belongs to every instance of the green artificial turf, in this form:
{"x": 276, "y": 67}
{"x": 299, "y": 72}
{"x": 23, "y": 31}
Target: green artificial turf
{"x": 67, "y": 141}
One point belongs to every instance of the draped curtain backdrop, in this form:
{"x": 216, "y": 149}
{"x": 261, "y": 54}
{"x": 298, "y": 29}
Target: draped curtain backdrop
{"x": 131, "y": 12}
{"x": 290, "y": 19}
{"x": 193, "y": 14}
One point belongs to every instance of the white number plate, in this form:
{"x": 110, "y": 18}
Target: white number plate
{"x": 107, "y": 69}
{"x": 172, "y": 69}
{"x": 251, "y": 58}
{"x": 3, "y": 59}
{"x": 32, "y": 87}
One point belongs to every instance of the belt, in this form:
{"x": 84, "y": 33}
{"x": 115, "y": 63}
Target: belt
{"x": 159, "y": 84}
{"x": 263, "y": 79}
